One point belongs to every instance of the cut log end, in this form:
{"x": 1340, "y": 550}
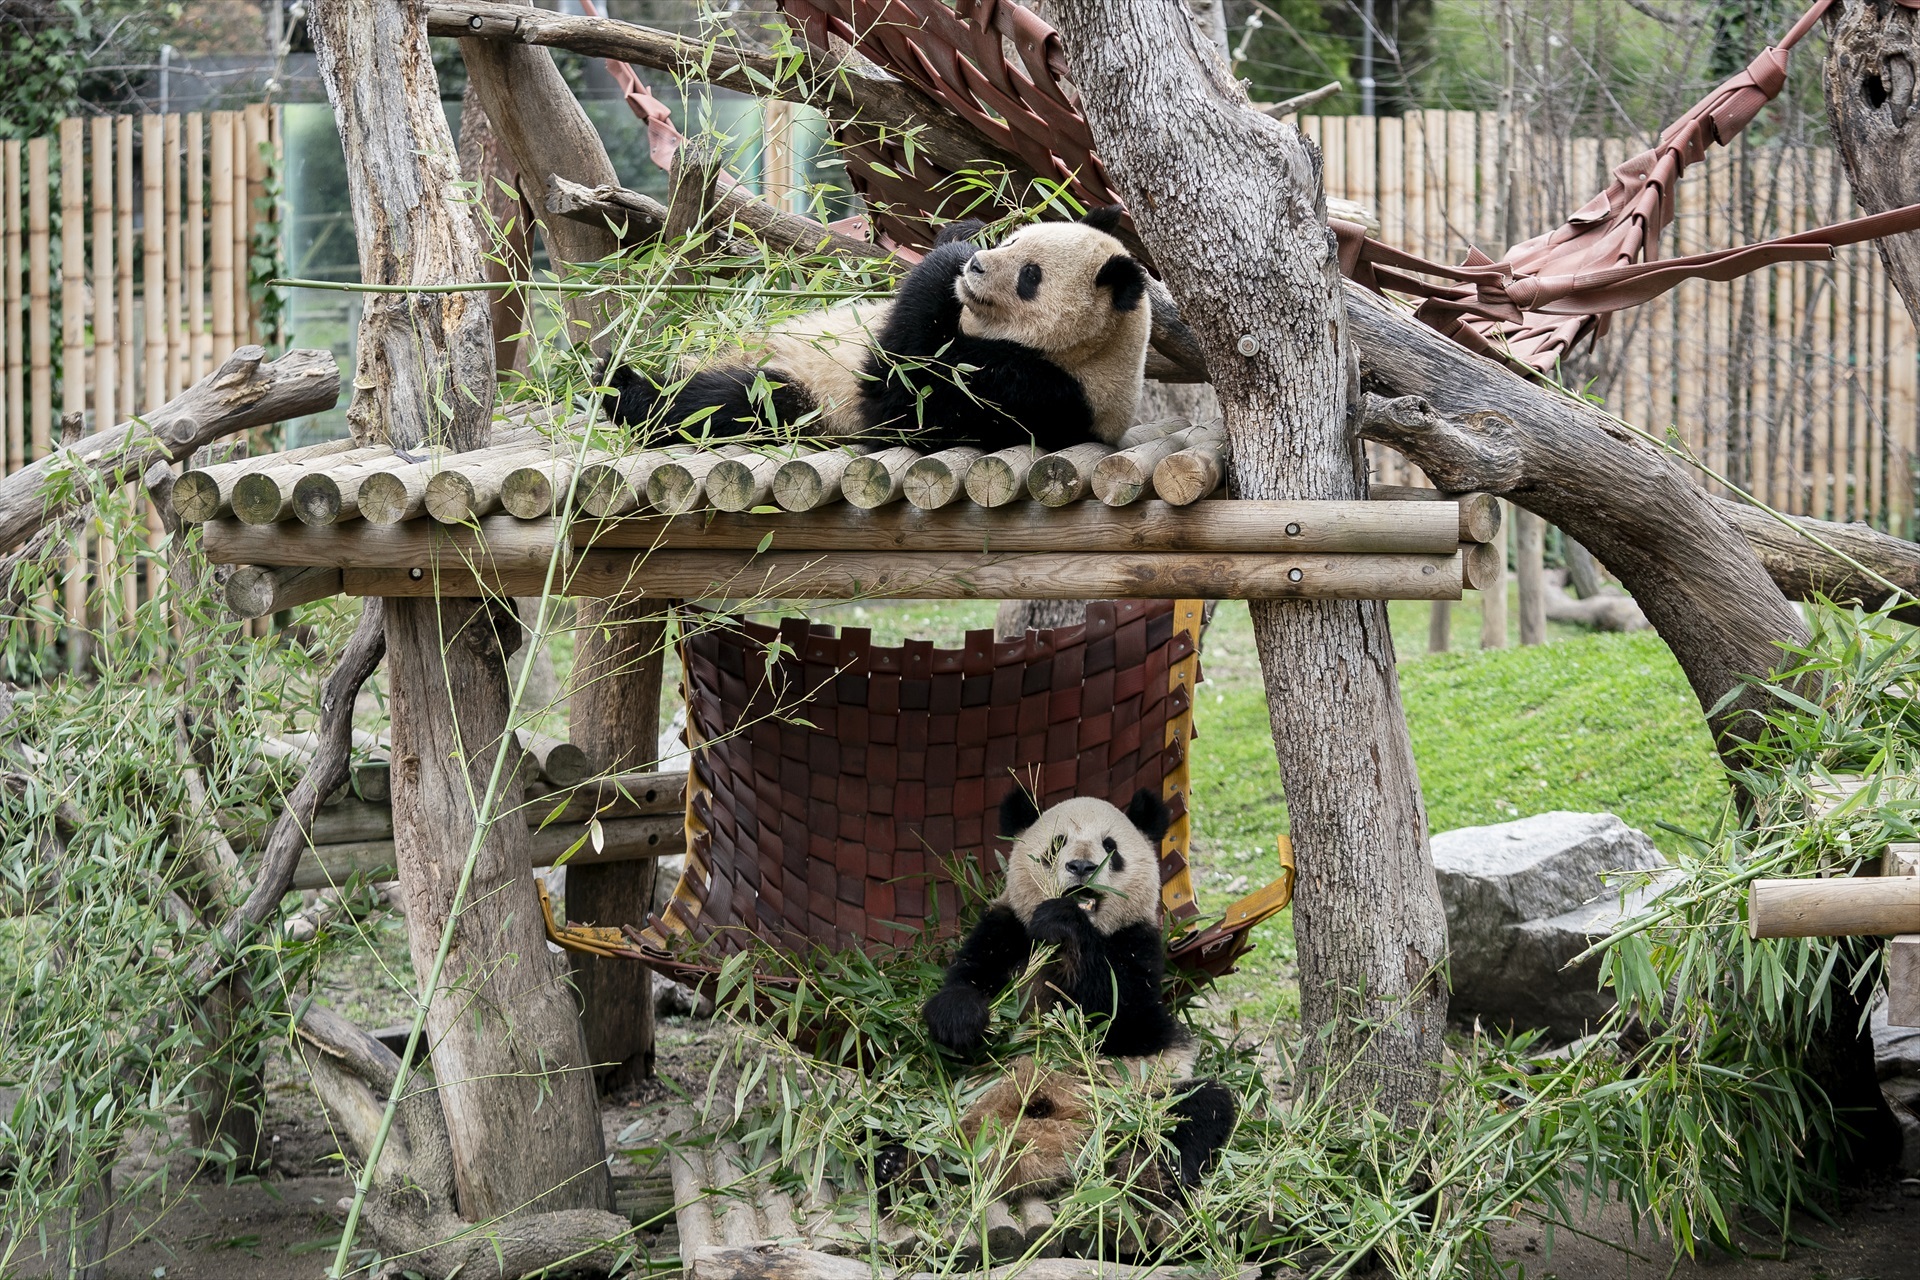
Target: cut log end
{"x": 530, "y": 492}
{"x": 384, "y": 498}
{"x": 258, "y": 499}
{"x": 196, "y": 497}
{"x": 317, "y": 499}
{"x": 450, "y": 498}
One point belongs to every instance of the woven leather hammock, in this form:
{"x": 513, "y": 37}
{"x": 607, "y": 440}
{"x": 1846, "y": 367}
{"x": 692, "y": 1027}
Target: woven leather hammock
{"x": 838, "y": 789}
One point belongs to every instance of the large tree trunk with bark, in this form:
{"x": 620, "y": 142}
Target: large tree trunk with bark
{"x": 521, "y": 1123}
{"x": 424, "y": 365}
{"x": 1873, "y": 57}
{"x": 1229, "y": 202}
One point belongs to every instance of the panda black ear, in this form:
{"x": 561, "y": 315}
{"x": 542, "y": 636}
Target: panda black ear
{"x": 1105, "y": 217}
{"x": 1148, "y": 812}
{"x": 1017, "y": 812}
{"x": 1126, "y": 277}
{"x": 963, "y": 231}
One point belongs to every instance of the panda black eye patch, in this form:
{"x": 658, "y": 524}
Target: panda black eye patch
{"x": 1109, "y": 845}
{"x": 1029, "y": 284}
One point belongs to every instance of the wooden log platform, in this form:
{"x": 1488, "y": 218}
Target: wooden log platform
{"x": 796, "y": 521}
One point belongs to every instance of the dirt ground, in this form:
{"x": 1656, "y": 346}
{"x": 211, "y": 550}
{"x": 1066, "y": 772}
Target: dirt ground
{"x": 284, "y": 1225}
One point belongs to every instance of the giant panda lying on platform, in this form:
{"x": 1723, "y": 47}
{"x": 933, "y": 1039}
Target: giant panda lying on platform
{"x": 1085, "y": 877}
{"x": 1042, "y": 339}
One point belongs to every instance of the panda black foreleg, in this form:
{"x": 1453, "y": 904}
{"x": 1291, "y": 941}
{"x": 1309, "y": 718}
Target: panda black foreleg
{"x": 994, "y": 951}
{"x": 718, "y": 402}
{"x": 1204, "y": 1117}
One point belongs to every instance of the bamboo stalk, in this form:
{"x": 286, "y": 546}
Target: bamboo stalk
{"x": 878, "y": 478}
{"x": 199, "y": 349}
{"x": 16, "y": 398}
{"x": 39, "y": 299}
{"x": 255, "y": 119}
{"x": 220, "y": 231}
{"x": 73, "y": 356}
{"x": 802, "y": 484}
{"x": 939, "y": 478}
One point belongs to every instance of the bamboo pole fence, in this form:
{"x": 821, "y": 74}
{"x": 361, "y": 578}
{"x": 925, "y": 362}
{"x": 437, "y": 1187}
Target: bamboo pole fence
{"x": 125, "y": 253}
{"x": 1797, "y": 383}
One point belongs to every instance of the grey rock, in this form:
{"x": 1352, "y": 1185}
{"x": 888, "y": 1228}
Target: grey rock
{"x": 1522, "y": 898}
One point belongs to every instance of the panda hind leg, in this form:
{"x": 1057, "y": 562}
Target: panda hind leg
{"x": 1203, "y": 1122}
{"x": 720, "y": 402}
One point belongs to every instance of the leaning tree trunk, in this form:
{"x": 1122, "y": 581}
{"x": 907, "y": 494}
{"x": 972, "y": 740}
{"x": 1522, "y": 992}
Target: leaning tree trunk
{"x": 1230, "y": 203}
{"x": 522, "y": 1122}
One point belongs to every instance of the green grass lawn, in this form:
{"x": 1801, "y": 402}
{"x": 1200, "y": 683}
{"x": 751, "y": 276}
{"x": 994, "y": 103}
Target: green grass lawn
{"x": 1586, "y": 722}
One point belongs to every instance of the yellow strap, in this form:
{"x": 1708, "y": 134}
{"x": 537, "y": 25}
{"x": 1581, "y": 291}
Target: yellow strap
{"x": 586, "y": 939}
{"x": 1270, "y": 901}
{"x": 1177, "y": 893}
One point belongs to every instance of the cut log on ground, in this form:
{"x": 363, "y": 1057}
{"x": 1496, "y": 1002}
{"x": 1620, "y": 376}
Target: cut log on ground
{"x": 246, "y": 391}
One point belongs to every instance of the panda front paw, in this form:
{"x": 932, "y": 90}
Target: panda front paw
{"x": 957, "y": 1018}
{"x": 1058, "y": 920}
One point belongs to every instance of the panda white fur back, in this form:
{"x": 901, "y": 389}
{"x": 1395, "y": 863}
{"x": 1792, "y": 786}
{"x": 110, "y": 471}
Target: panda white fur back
{"x": 1041, "y": 339}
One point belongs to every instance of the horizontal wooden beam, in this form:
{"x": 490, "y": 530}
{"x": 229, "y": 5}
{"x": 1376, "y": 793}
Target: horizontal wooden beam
{"x": 623, "y": 840}
{"x": 1839, "y": 907}
{"x": 1231, "y": 526}
{"x": 864, "y": 575}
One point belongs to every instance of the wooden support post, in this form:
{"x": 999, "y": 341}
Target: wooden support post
{"x": 523, "y": 1130}
{"x": 614, "y": 715}
{"x": 1440, "y": 626}
{"x": 1903, "y": 980}
{"x": 1530, "y": 531}
{"x": 1493, "y": 600}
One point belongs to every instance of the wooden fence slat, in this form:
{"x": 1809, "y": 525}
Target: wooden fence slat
{"x": 254, "y": 124}
{"x": 129, "y": 353}
{"x": 173, "y": 249}
{"x": 1333, "y": 151}
{"x": 194, "y": 232}
{"x": 16, "y": 409}
{"x": 106, "y": 334}
{"x": 153, "y": 257}
{"x": 220, "y": 230}
{"x": 40, "y": 296}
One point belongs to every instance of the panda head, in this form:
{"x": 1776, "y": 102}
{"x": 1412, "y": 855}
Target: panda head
{"x": 1106, "y": 860}
{"x": 1053, "y": 286}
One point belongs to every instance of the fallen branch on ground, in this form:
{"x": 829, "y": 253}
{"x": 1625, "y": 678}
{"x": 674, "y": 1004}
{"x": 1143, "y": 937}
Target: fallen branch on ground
{"x": 412, "y": 1194}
